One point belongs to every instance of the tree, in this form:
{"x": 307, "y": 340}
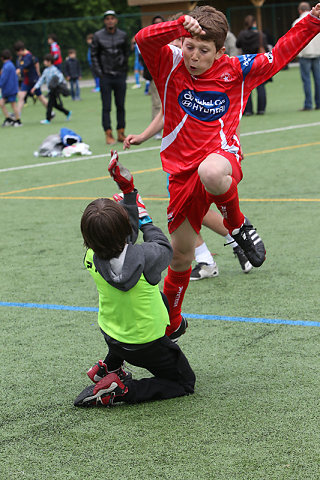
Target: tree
{"x": 20, "y": 10}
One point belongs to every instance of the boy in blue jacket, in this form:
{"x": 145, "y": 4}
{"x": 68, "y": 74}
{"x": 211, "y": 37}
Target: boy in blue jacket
{"x": 9, "y": 88}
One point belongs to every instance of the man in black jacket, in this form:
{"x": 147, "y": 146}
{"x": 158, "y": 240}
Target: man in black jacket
{"x": 109, "y": 54}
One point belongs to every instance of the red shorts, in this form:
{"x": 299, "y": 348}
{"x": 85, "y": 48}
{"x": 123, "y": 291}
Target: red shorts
{"x": 188, "y": 197}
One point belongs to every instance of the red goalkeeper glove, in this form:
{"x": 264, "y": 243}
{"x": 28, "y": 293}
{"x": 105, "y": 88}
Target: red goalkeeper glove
{"x": 144, "y": 217}
{"x": 120, "y": 174}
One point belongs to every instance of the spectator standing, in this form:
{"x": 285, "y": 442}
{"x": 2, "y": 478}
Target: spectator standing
{"x": 309, "y": 61}
{"x": 73, "y": 73}
{"x": 9, "y": 88}
{"x": 55, "y": 50}
{"x": 27, "y": 70}
{"x": 250, "y": 40}
{"x": 96, "y": 79}
{"x": 109, "y": 54}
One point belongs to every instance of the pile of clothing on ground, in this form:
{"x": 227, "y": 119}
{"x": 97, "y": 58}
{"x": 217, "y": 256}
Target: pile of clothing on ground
{"x": 65, "y": 143}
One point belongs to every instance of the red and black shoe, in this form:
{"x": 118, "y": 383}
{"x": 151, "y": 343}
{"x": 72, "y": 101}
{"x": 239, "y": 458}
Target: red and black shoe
{"x": 104, "y": 393}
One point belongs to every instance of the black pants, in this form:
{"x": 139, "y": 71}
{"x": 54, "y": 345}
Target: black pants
{"x": 173, "y": 376}
{"x": 118, "y": 85}
{"x": 262, "y": 100}
{"x": 54, "y": 101}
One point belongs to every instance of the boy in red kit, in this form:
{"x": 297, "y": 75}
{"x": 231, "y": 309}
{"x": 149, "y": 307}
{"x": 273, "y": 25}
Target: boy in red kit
{"x": 203, "y": 94}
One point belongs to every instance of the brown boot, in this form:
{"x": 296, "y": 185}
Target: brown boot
{"x": 121, "y": 135}
{"x": 110, "y": 140}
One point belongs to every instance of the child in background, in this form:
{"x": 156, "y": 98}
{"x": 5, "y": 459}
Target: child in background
{"x": 28, "y": 71}
{"x": 96, "y": 79}
{"x": 73, "y": 73}
{"x": 132, "y": 312}
{"x": 55, "y": 50}
{"x": 53, "y": 77}
{"x": 9, "y": 88}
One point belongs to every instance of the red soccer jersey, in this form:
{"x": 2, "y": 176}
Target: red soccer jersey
{"x": 201, "y": 114}
{"x": 56, "y": 53}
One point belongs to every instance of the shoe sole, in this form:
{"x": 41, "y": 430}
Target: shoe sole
{"x": 212, "y": 275}
{"x": 86, "y": 397}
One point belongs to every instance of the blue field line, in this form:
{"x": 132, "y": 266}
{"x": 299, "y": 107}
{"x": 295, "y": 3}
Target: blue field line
{"x": 277, "y": 321}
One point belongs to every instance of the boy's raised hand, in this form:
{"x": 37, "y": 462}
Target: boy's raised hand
{"x": 192, "y": 26}
{"x": 120, "y": 174}
{"x": 316, "y": 10}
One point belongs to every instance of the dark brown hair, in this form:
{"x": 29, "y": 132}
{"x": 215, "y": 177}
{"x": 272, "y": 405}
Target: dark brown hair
{"x": 6, "y": 54}
{"x": 19, "y": 45}
{"x": 105, "y": 227}
{"x": 49, "y": 58}
{"x": 213, "y": 22}
{"x": 53, "y": 36}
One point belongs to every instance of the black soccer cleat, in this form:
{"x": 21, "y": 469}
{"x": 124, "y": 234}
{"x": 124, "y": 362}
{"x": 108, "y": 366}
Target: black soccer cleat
{"x": 180, "y": 330}
{"x": 104, "y": 393}
{"x": 244, "y": 262}
{"x": 248, "y": 239}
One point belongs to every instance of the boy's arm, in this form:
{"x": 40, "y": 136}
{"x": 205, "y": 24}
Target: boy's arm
{"x": 259, "y": 68}
{"x": 152, "y": 42}
{"x": 66, "y": 68}
{"x": 154, "y": 127}
{"x": 40, "y": 81}
{"x": 95, "y": 63}
{"x": 3, "y": 77}
{"x": 130, "y": 204}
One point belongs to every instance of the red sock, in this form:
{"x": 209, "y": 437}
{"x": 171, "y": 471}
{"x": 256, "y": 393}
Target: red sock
{"x": 228, "y": 205}
{"x": 175, "y": 286}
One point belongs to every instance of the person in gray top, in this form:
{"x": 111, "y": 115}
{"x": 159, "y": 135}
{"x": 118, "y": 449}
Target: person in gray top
{"x": 110, "y": 50}
{"x": 133, "y": 315}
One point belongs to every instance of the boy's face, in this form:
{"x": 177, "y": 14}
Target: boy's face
{"x": 46, "y": 63}
{"x": 199, "y": 55}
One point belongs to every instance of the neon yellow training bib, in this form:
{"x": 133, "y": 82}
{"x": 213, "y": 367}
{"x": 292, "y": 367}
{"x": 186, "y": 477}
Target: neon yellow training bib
{"x": 136, "y": 316}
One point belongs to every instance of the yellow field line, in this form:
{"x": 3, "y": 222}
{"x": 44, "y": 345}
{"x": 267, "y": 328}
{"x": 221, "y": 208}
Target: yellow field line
{"x": 75, "y": 182}
{"x": 273, "y": 150}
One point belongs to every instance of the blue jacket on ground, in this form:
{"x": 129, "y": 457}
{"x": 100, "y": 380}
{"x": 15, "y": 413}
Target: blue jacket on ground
{"x": 8, "y": 79}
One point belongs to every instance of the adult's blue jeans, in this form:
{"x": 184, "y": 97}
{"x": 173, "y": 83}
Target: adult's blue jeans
{"x": 308, "y": 65}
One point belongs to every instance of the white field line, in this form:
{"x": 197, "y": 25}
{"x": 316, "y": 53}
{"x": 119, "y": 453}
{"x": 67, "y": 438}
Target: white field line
{"x": 147, "y": 149}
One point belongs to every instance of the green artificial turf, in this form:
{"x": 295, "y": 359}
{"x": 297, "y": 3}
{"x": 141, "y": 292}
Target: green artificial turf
{"x": 254, "y": 414}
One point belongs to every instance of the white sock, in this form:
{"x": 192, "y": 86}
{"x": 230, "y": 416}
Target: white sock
{"x": 203, "y": 255}
{"x": 230, "y": 241}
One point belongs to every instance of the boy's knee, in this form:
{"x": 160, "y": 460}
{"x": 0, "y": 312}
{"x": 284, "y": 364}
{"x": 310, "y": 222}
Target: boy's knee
{"x": 181, "y": 260}
{"x": 210, "y": 175}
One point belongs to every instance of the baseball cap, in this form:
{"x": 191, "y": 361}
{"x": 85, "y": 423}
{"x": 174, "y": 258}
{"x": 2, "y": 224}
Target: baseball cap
{"x": 109, "y": 12}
